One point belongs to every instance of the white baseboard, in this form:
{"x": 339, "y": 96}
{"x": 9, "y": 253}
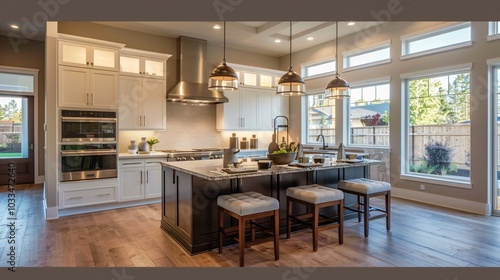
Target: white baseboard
{"x": 444, "y": 201}
{"x": 51, "y": 213}
{"x": 103, "y": 207}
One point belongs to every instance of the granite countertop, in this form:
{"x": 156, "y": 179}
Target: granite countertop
{"x": 211, "y": 169}
{"x": 138, "y": 156}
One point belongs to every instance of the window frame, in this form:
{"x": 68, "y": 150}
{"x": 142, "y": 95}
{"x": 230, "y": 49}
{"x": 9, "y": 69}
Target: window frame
{"x": 360, "y": 84}
{"x": 346, "y": 56}
{"x": 464, "y": 183}
{"x": 438, "y": 30}
{"x": 306, "y": 65}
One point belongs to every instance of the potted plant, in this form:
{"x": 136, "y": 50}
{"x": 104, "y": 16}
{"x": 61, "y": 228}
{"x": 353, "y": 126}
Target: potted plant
{"x": 151, "y": 141}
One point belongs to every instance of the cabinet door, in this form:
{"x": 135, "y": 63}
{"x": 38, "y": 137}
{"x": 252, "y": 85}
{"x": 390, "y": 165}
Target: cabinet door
{"x": 130, "y": 102}
{"x": 73, "y": 54}
{"x": 154, "y": 104}
{"x": 265, "y": 109}
{"x": 130, "y": 65}
{"x": 185, "y": 204}
{"x": 73, "y": 87}
{"x": 131, "y": 183}
{"x": 228, "y": 114}
{"x": 248, "y": 107}
{"x": 153, "y": 180}
{"x": 154, "y": 68}
{"x": 104, "y": 89}
{"x": 169, "y": 200}
{"x": 280, "y": 105}
{"x": 104, "y": 58}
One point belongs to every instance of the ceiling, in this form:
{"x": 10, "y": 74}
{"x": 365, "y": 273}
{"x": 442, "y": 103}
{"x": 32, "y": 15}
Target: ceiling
{"x": 253, "y": 36}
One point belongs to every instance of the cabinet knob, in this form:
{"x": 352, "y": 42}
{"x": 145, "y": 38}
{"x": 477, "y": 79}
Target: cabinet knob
{"x": 92, "y": 63}
{"x": 87, "y": 63}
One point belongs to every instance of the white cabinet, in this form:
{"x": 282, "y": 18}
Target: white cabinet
{"x": 143, "y": 63}
{"x": 265, "y": 109}
{"x": 88, "y": 56}
{"x": 143, "y": 100}
{"x": 87, "y": 192}
{"x": 140, "y": 178}
{"x": 240, "y": 113}
{"x": 87, "y": 88}
{"x": 143, "y": 103}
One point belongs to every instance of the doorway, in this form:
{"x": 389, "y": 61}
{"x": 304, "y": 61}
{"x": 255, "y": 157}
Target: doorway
{"x": 17, "y": 118}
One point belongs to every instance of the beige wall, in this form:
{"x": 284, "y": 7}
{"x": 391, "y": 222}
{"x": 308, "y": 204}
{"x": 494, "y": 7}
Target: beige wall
{"x": 477, "y": 54}
{"x": 30, "y": 55}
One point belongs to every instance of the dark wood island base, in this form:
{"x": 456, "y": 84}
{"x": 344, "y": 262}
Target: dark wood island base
{"x": 190, "y": 190}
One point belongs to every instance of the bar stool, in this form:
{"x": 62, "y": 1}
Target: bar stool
{"x": 315, "y": 197}
{"x": 248, "y": 206}
{"x": 367, "y": 188}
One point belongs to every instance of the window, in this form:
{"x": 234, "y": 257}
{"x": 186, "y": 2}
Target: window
{"x": 320, "y": 68}
{"x": 447, "y": 38}
{"x": 368, "y": 57}
{"x": 320, "y": 119}
{"x": 370, "y": 115}
{"x": 14, "y": 113}
{"x": 494, "y": 30}
{"x": 438, "y": 119}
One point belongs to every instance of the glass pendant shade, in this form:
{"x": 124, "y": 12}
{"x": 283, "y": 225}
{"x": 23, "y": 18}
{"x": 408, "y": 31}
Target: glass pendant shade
{"x": 223, "y": 77}
{"x": 291, "y": 84}
{"x": 337, "y": 88}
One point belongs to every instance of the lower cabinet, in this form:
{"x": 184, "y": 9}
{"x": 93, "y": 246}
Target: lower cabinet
{"x": 86, "y": 193}
{"x": 140, "y": 178}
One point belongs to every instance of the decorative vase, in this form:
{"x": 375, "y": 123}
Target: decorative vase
{"x": 132, "y": 148}
{"x": 143, "y": 145}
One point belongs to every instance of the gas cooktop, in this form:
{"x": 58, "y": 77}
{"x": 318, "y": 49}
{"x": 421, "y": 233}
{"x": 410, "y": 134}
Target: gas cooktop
{"x": 193, "y": 154}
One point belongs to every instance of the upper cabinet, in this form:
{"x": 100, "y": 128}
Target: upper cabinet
{"x": 88, "y": 56}
{"x": 87, "y": 73}
{"x": 255, "y": 104}
{"x": 143, "y": 63}
{"x": 142, "y": 95}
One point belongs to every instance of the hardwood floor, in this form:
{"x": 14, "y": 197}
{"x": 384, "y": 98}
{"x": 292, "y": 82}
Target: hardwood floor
{"x": 421, "y": 236}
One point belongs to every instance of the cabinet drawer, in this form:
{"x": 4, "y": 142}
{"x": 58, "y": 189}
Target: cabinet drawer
{"x": 131, "y": 163}
{"x": 83, "y": 197}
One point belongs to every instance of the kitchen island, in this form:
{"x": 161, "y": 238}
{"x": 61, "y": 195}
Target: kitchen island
{"x": 190, "y": 190}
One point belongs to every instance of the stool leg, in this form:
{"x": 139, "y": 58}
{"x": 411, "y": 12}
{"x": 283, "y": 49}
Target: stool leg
{"x": 288, "y": 218}
{"x": 277, "y": 234}
{"x": 341, "y": 222}
{"x": 366, "y": 209}
{"x": 359, "y": 208}
{"x": 388, "y": 210}
{"x": 221, "y": 226}
{"x": 315, "y": 227}
{"x": 252, "y": 228}
{"x": 241, "y": 236}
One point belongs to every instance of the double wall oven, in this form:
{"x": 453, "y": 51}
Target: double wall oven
{"x": 88, "y": 147}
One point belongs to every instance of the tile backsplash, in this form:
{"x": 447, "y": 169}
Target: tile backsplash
{"x": 191, "y": 127}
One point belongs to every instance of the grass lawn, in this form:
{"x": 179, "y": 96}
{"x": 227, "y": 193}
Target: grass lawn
{"x": 10, "y": 155}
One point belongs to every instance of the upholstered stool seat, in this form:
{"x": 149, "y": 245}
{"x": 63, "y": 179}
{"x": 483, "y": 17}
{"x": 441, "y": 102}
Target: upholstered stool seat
{"x": 248, "y": 206}
{"x": 366, "y": 188}
{"x": 316, "y": 197}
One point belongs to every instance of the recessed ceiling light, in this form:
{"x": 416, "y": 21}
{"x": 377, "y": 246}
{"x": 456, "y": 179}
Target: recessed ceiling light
{"x": 217, "y": 26}
{"x": 277, "y": 41}
{"x": 351, "y": 23}
{"x": 310, "y": 38}
{"x": 15, "y": 26}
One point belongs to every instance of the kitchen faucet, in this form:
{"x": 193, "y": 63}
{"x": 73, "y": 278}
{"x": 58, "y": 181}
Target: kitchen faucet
{"x": 322, "y": 137}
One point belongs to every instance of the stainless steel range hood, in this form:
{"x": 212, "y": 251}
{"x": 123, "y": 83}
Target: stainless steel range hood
{"x": 193, "y": 74}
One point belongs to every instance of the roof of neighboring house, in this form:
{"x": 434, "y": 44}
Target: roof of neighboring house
{"x": 356, "y": 111}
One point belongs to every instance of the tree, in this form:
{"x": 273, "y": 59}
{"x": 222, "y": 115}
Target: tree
{"x": 11, "y": 112}
{"x": 424, "y": 109}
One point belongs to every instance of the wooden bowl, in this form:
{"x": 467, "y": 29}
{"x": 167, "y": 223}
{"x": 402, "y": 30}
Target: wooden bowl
{"x": 282, "y": 158}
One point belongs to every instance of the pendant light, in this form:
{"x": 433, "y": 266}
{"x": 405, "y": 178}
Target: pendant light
{"x": 291, "y": 83}
{"x": 223, "y": 77}
{"x": 337, "y": 88}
